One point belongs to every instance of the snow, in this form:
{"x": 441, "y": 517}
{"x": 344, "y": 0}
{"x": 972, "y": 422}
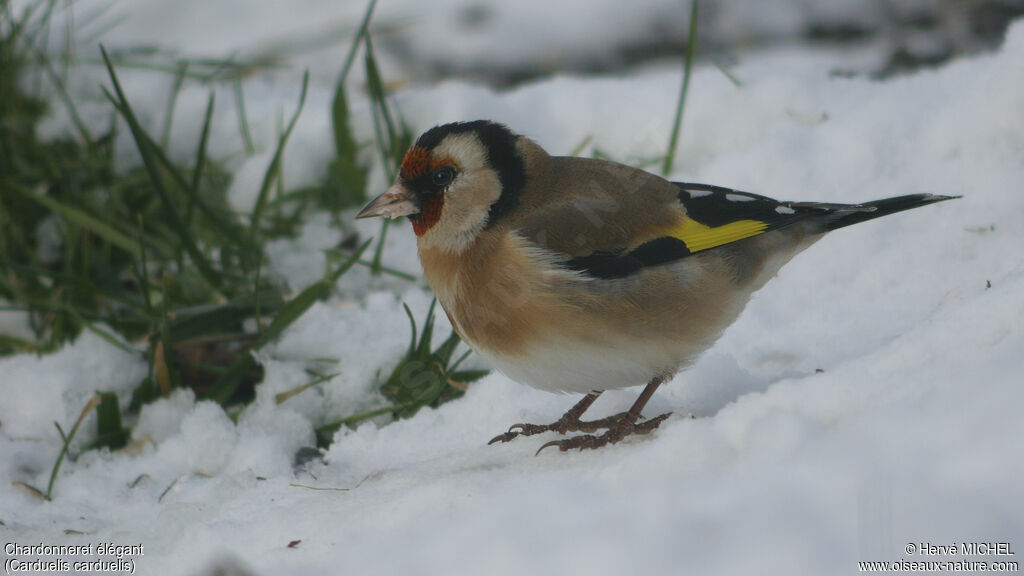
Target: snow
{"x": 57, "y": 387}
{"x": 485, "y": 39}
{"x": 867, "y": 398}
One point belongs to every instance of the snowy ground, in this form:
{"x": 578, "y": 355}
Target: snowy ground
{"x": 868, "y": 398}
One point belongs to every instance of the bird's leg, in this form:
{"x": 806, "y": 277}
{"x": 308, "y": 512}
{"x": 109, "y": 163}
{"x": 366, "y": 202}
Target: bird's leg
{"x": 569, "y": 422}
{"x": 619, "y": 426}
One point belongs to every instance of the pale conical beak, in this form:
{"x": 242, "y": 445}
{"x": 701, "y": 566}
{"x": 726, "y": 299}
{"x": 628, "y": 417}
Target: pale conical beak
{"x": 397, "y": 201}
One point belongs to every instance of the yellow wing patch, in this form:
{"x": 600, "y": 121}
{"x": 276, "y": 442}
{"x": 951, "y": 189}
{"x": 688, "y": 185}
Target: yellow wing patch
{"x": 699, "y": 236}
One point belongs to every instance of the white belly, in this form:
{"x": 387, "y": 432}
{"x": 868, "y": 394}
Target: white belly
{"x": 574, "y": 367}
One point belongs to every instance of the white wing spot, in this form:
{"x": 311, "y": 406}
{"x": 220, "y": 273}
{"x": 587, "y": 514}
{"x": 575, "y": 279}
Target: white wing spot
{"x": 738, "y": 198}
{"x": 698, "y": 193}
{"x": 784, "y": 210}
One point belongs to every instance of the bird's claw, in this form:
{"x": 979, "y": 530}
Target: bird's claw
{"x": 524, "y": 429}
{"x": 581, "y": 442}
{"x": 505, "y": 437}
{"x": 617, "y": 432}
{"x": 531, "y": 429}
{"x": 616, "y": 427}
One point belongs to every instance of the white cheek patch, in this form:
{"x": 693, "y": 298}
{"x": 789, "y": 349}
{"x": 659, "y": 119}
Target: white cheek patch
{"x": 468, "y": 199}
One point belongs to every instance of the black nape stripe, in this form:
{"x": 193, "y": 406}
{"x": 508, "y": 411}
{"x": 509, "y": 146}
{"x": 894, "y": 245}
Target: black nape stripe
{"x": 502, "y": 155}
{"x": 609, "y": 265}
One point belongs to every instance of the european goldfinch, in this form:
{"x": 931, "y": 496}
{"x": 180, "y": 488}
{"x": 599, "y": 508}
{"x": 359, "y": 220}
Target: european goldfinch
{"x": 583, "y": 275}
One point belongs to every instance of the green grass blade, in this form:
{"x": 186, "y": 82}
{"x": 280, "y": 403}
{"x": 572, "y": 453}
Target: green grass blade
{"x": 412, "y": 320}
{"x": 79, "y": 284}
{"x": 110, "y": 338}
{"x": 375, "y": 84}
{"x": 677, "y": 125}
{"x": 110, "y": 432}
{"x": 427, "y": 336}
{"x": 333, "y": 277}
{"x": 279, "y": 181}
{"x": 274, "y": 169}
{"x": 89, "y": 18}
{"x": 390, "y": 271}
{"x": 204, "y": 139}
{"x": 225, "y": 387}
{"x": 581, "y": 146}
{"x": 348, "y": 179}
{"x": 146, "y": 150}
{"x": 728, "y": 74}
{"x": 455, "y": 365}
{"x": 224, "y": 226}
{"x": 89, "y": 222}
{"x": 197, "y": 175}
{"x": 142, "y": 272}
{"x": 93, "y": 402}
{"x": 344, "y": 143}
{"x": 30, "y": 31}
{"x": 391, "y": 144}
{"x": 243, "y": 121}
{"x": 467, "y": 376}
{"x": 296, "y": 307}
{"x": 172, "y": 101}
{"x": 283, "y": 396}
{"x": 222, "y": 319}
{"x": 376, "y": 267}
{"x": 325, "y": 432}
{"x": 65, "y": 98}
{"x": 447, "y": 348}
{"x": 390, "y": 171}
{"x": 346, "y": 184}
{"x": 293, "y": 310}
{"x": 350, "y": 59}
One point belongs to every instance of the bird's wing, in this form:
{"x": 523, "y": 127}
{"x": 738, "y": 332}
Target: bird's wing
{"x": 621, "y": 220}
{"x": 712, "y": 217}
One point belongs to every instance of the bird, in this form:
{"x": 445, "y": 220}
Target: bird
{"x": 580, "y": 275}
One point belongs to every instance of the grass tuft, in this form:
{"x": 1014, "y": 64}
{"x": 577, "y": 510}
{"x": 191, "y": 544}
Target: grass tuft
{"x": 95, "y": 401}
{"x": 153, "y": 259}
{"x": 423, "y": 377}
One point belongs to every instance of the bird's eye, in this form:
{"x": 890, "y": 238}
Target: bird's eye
{"x": 443, "y": 176}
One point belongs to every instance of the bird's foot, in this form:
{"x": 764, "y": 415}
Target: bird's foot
{"x": 563, "y": 425}
{"x": 569, "y": 422}
{"x": 618, "y": 427}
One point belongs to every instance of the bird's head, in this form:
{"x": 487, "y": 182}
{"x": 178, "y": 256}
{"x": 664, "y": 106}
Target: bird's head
{"x": 456, "y": 181}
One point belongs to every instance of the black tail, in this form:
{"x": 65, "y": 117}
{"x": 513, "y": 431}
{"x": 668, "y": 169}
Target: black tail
{"x": 870, "y": 210}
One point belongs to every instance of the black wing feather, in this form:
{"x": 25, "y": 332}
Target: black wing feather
{"x": 715, "y": 206}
